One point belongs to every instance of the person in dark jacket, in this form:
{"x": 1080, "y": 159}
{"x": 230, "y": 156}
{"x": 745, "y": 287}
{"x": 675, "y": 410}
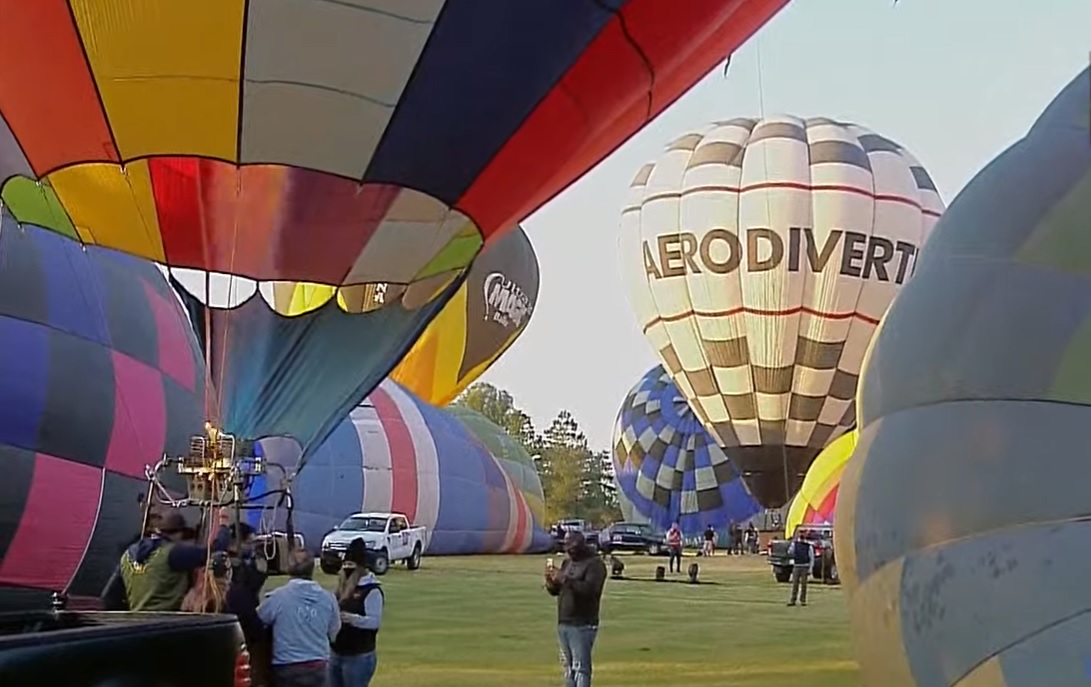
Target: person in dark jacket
{"x": 248, "y": 575}
{"x": 156, "y": 571}
{"x": 352, "y": 657}
{"x": 578, "y": 588}
{"x": 802, "y": 554}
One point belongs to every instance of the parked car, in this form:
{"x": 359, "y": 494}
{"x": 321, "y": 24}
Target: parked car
{"x": 388, "y": 535}
{"x": 632, "y": 537}
{"x": 96, "y": 648}
{"x": 561, "y": 527}
{"x": 825, "y": 563}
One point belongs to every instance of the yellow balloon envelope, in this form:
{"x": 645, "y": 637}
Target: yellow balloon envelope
{"x": 817, "y": 498}
{"x": 477, "y": 325}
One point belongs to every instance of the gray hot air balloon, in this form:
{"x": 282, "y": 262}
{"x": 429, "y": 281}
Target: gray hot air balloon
{"x": 962, "y": 523}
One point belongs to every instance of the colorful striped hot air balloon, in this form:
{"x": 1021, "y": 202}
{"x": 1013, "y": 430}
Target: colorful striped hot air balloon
{"x": 397, "y": 453}
{"x": 817, "y": 498}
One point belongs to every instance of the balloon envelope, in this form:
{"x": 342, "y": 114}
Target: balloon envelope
{"x": 307, "y": 156}
{"x": 759, "y": 255}
{"x": 397, "y": 453}
{"x": 817, "y": 498}
{"x": 515, "y": 460}
{"x": 962, "y": 521}
{"x": 100, "y": 376}
{"x": 668, "y": 468}
{"x": 483, "y": 318}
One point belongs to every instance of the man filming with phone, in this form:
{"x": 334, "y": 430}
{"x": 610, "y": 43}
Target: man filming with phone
{"x": 578, "y": 587}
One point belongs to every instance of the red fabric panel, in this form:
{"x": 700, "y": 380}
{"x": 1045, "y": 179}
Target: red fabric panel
{"x": 403, "y": 454}
{"x": 607, "y": 96}
{"x": 47, "y": 94}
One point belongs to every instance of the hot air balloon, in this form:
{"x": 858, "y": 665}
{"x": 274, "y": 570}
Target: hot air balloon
{"x": 759, "y": 255}
{"x": 100, "y": 375}
{"x": 511, "y": 455}
{"x": 668, "y": 468}
{"x": 483, "y": 318}
{"x": 817, "y": 497}
{"x": 325, "y": 157}
{"x": 397, "y": 453}
{"x": 962, "y": 521}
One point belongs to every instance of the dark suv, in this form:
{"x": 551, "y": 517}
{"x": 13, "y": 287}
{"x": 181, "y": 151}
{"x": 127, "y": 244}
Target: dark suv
{"x": 632, "y": 537}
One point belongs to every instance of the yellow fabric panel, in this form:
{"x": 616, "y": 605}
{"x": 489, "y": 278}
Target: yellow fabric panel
{"x": 112, "y": 206}
{"x": 875, "y": 610}
{"x": 988, "y": 674}
{"x": 168, "y": 73}
{"x": 298, "y": 298}
{"x": 430, "y": 369}
{"x": 536, "y": 506}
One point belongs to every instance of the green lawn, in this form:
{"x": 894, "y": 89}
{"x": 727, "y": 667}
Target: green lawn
{"x": 485, "y": 621}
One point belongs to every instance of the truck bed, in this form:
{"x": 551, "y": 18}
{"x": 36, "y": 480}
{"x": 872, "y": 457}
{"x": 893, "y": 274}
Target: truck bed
{"x": 94, "y": 649}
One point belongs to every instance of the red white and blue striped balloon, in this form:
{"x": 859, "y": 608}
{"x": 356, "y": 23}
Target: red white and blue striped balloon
{"x": 396, "y": 453}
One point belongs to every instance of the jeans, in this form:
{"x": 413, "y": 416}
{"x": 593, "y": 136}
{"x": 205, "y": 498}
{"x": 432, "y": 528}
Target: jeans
{"x": 674, "y": 554}
{"x": 800, "y": 575}
{"x": 311, "y": 674}
{"x": 577, "y": 641}
{"x": 352, "y": 671}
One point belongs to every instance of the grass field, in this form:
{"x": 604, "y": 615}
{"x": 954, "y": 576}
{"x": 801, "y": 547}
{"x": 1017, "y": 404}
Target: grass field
{"x": 485, "y": 621}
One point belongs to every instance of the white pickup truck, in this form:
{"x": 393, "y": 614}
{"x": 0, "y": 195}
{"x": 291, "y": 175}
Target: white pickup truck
{"x": 388, "y": 535}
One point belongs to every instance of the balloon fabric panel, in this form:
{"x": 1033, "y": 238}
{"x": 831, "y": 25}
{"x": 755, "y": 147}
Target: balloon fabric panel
{"x": 668, "y": 468}
{"x": 759, "y": 256}
{"x": 101, "y": 377}
{"x": 275, "y": 127}
{"x": 817, "y": 497}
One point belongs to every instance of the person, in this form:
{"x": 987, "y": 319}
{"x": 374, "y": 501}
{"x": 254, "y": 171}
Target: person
{"x": 305, "y": 619}
{"x": 243, "y": 596}
{"x": 156, "y": 571}
{"x": 709, "y": 546}
{"x": 732, "y": 533}
{"x": 578, "y": 587}
{"x": 736, "y": 540}
{"x": 674, "y": 548}
{"x": 353, "y": 659}
{"x": 751, "y": 538}
{"x": 801, "y": 553}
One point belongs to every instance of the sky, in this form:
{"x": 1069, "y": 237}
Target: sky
{"x": 953, "y": 81}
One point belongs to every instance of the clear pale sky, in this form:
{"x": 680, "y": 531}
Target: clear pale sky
{"x": 954, "y": 81}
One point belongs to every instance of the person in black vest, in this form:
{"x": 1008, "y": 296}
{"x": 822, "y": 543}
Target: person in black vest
{"x": 802, "y": 554}
{"x": 352, "y": 659}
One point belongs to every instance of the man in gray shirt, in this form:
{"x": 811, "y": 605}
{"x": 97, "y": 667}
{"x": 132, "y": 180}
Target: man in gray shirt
{"x": 304, "y": 618}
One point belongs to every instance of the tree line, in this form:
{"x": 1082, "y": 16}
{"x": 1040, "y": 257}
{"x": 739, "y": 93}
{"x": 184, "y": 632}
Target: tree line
{"x": 578, "y": 481}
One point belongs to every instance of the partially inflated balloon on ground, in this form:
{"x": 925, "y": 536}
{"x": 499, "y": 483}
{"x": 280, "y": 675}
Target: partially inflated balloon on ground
{"x": 510, "y": 453}
{"x": 759, "y": 256}
{"x": 817, "y": 498}
{"x": 962, "y": 530}
{"x": 668, "y": 468}
{"x": 396, "y": 453}
{"x": 484, "y": 317}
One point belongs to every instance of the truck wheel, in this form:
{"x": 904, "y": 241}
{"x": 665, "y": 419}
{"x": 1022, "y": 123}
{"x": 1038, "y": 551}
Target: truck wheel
{"x": 653, "y": 550}
{"x": 413, "y": 562}
{"x": 783, "y": 574}
{"x": 382, "y": 562}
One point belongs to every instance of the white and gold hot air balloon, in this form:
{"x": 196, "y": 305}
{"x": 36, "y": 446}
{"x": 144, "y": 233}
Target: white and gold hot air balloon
{"x": 759, "y": 256}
